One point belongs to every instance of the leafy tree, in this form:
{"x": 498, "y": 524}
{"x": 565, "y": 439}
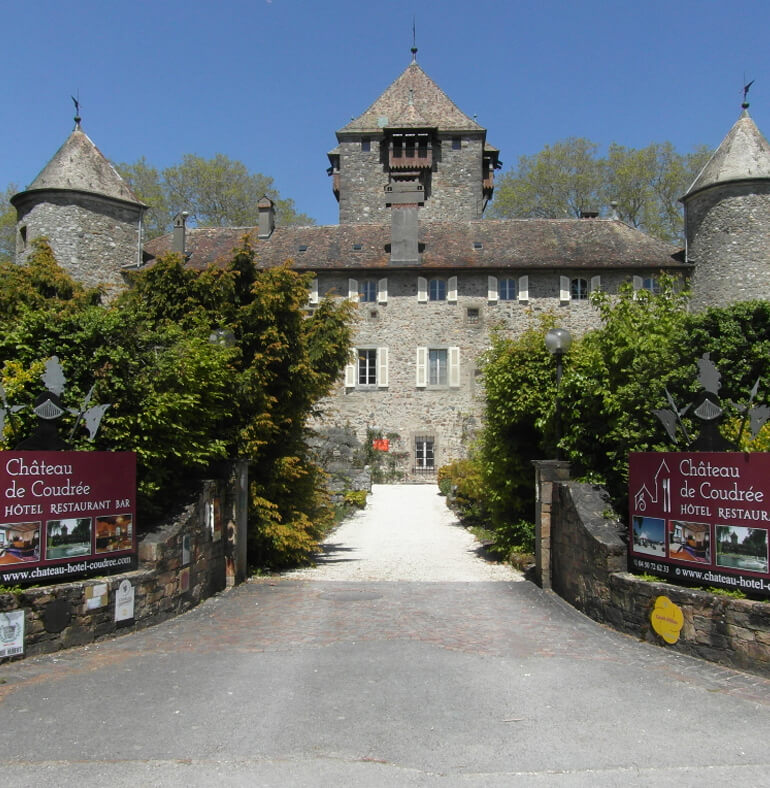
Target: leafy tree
{"x": 560, "y": 181}
{"x": 7, "y": 224}
{"x": 217, "y": 192}
{"x": 179, "y": 400}
{"x": 565, "y": 178}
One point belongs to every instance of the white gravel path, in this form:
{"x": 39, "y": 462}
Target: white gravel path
{"x": 406, "y": 532}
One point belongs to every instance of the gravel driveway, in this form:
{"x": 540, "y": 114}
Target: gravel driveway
{"x": 406, "y": 532}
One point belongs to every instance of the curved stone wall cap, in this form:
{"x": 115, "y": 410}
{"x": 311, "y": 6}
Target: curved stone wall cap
{"x": 79, "y": 165}
{"x": 415, "y": 89}
{"x": 743, "y": 155}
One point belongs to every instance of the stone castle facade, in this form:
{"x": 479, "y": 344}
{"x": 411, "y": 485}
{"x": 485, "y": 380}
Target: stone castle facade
{"x": 430, "y": 277}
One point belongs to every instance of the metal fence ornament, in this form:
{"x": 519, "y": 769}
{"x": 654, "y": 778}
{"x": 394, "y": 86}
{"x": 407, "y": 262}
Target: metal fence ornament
{"x": 49, "y": 409}
{"x": 707, "y": 409}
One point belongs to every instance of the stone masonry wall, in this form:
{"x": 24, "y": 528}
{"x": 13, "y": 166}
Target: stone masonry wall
{"x": 58, "y": 616}
{"x": 93, "y": 238}
{"x": 451, "y": 415}
{"x": 729, "y": 242}
{"x": 588, "y": 569}
{"x": 454, "y": 192}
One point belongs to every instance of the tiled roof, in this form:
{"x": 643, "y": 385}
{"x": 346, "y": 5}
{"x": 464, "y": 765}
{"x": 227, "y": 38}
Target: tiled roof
{"x": 743, "y": 154}
{"x": 504, "y": 243}
{"x": 414, "y": 100}
{"x": 80, "y": 166}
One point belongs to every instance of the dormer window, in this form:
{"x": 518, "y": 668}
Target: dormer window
{"x": 478, "y": 245}
{"x": 303, "y": 247}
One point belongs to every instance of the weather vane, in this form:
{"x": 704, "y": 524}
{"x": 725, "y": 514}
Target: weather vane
{"x": 76, "y": 102}
{"x": 707, "y": 409}
{"x": 746, "y": 87}
{"x": 414, "y": 40}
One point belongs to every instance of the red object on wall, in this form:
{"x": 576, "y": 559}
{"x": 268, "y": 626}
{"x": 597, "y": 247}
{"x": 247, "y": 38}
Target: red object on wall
{"x": 381, "y": 444}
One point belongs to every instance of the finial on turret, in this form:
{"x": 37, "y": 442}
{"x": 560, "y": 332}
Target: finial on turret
{"x": 77, "y": 113}
{"x": 414, "y": 41}
{"x": 745, "y": 104}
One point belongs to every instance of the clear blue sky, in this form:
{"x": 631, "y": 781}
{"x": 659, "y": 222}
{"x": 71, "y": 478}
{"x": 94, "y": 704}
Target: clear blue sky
{"x": 268, "y": 82}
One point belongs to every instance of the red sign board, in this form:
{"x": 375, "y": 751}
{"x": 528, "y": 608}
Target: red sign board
{"x": 702, "y": 518}
{"x": 65, "y": 514}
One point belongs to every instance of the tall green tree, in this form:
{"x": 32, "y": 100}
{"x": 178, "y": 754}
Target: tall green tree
{"x": 216, "y": 192}
{"x": 560, "y": 181}
{"x": 7, "y": 224}
{"x": 643, "y": 184}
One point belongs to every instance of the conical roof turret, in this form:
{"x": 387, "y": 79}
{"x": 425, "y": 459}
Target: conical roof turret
{"x": 79, "y": 165}
{"x": 743, "y": 155}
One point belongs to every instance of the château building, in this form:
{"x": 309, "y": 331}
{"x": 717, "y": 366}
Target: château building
{"x": 431, "y": 278}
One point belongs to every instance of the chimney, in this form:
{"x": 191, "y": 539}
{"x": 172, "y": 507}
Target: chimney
{"x": 178, "y": 242}
{"x": 404, "y": 197}
{"x": 266, "y": 222}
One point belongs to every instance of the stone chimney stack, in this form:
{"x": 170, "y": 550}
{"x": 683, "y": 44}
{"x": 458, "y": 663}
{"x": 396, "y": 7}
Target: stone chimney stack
{"x": 404, "y": 198}
{"x": 266, "y": 223}
{"x": 178, "y": 242}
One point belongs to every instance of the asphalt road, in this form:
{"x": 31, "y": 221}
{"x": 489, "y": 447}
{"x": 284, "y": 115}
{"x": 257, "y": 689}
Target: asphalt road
{"x": 360, "y": 674}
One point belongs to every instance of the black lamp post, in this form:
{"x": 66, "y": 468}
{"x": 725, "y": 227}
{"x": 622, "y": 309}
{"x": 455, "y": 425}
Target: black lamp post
{"x": 558, "y": 340}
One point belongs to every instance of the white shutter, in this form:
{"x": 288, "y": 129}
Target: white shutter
{"x": 454, "y": 367}
{"x": 350, "y": 376}
{"x": 382, "y": 291}
{"x": 422, "y": 367}
{"x": 564, "y": 295}
{"x": 492, "y": 289}
{"x": 313, "y": 297}
{"x": 596, "y": 283}
{"x": 523, "y": 288}
{"x": 382, "y": 367}
{"x": 422, "y": 289}
{"x": 638, "y": 283}
{"x": 353, "y": 290}
{"x": 452, "y": 289}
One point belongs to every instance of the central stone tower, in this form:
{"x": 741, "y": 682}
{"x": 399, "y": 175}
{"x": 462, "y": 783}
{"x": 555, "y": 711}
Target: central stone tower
{"x": 412, "y": 146}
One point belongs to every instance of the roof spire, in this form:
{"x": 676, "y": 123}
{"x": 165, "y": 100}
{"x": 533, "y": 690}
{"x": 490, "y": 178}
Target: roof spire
{"x": 77, "y": 113}
{"x": 414, "y": 41}
{"x": 745, "y": 104}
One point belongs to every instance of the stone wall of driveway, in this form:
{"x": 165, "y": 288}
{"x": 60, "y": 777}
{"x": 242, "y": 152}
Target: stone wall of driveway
{"x": 588, "y": 569}
{"x": 188, "y": 559}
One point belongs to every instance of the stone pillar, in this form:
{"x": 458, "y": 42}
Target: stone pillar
{"x": 548, "y": 474}
{"x": 238, "y": 525}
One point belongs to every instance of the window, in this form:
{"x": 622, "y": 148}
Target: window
{"x": 651, "y": 283}
{"x": 437, "y": 367}
{"x": 507, "y": 290}
{"x": 456, "y": 143}
{"x": 473, "y": 316}
{"x": 366, "y": 144}
{"x": 578, "y": 289}
{"x": 437, "y": 290}
{"x": 368, "y": 291}
{"x": 424, "y": 455}
{"x": 367, "y": 367}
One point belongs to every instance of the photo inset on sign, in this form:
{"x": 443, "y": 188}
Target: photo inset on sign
{"x": 19, "y": 542}
{"x": 689, "y": 541}
{"x": 114, "y": 533}
{"x": 68, "y": 538}
{"x": 742, "y": 548}
{"x": 650, "y": 535}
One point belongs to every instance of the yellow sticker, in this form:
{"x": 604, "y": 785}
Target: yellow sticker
{"x": 667, "y": 619}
